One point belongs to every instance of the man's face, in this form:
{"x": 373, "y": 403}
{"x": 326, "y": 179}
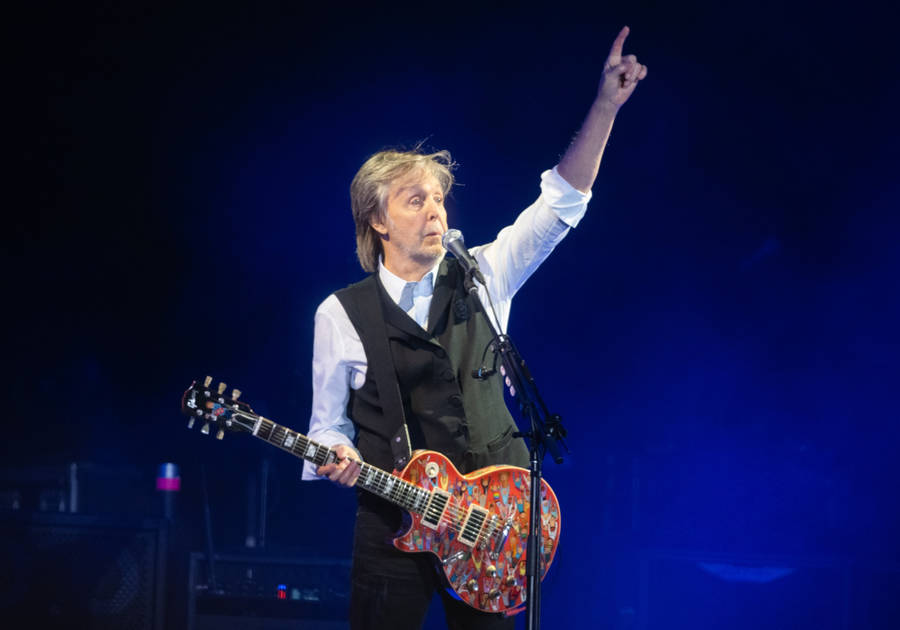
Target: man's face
{"x": 415, "y": 220}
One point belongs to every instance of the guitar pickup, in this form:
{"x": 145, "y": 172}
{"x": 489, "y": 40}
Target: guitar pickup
{"x": 475, "y": 520}
{"x": 435, "y": 509}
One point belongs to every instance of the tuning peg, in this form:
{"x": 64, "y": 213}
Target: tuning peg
{"x": 207, "y": 381}
{"x": 205, "y": 429}
{"x": 190, "y": 423}
{"x": 235, "y": 394}
{"x": 222, "y": 387}
{"x": 220, "y": 434}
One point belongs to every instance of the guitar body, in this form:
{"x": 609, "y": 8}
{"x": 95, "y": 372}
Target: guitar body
{"x": 489, "y": 574}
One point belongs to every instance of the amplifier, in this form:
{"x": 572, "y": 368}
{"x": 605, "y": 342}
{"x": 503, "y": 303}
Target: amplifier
{"x": 78, "y": 571}
{"x": 266, "y": 592}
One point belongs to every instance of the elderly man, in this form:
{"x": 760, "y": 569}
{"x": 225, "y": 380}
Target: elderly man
{"x": 413, "y": 323}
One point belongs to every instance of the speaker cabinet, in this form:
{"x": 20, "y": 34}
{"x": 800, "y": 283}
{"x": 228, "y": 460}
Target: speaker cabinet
{"x": 75, "y": 571}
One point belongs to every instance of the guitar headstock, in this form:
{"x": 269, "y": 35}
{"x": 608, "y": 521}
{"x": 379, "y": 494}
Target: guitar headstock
{"x": 213, "y": 406}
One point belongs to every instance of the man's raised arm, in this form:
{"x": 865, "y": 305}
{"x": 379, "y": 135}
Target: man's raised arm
{"x": 581, "y": 161}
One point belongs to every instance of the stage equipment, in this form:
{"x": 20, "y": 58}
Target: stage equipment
{"x": 168, "y": 483}
{"x": 75, "y": 571}
{"x": 78, "y": 488}
{"x": 268, "y": 593}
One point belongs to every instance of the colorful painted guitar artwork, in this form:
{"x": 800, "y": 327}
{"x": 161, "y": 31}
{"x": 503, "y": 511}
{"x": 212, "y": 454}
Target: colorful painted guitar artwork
{"x": 476, "y": 524}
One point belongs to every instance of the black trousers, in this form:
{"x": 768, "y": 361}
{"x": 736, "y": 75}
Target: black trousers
{"x": 391, "y": 589}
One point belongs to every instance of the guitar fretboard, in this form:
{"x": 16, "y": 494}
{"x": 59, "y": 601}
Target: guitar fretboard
{"x": 390, "y": 487}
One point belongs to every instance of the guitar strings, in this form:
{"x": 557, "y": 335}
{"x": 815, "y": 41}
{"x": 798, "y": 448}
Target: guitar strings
{"x": 454, "y": 515}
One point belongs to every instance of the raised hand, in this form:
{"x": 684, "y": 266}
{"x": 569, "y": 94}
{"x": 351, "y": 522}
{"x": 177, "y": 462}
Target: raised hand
{"x": 620, "y": 74}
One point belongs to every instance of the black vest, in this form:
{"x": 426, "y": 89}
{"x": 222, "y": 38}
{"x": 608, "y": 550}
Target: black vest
{"x": 447, "y": 410}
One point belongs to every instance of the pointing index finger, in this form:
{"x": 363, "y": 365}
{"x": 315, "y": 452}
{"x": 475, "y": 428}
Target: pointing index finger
{"x": 615, "y": 53}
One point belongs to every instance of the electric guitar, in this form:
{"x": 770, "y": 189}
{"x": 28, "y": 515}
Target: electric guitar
{"x": 476, "y": 524}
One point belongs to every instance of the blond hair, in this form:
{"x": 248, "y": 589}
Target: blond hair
{"x": 369, "y": 190}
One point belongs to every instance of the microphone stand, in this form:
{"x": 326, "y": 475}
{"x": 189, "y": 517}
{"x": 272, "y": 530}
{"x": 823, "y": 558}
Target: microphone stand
{"x": 546, "y": 433}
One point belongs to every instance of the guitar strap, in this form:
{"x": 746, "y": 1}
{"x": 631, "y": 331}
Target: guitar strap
{"x": 373, "y": 333}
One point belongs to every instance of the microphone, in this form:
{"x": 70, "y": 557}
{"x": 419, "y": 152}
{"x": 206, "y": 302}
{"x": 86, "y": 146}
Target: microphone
{"x": 453, "y": 242}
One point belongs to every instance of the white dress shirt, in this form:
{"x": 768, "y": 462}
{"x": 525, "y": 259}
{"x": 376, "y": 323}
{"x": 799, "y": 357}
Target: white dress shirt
{"x": 339, "y": 361}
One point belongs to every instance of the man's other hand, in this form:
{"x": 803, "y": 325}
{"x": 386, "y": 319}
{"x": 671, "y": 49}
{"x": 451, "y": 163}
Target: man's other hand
{"x": 345, "y": 471}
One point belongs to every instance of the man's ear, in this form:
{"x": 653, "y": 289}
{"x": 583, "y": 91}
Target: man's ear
{"x": 378, "y": 226}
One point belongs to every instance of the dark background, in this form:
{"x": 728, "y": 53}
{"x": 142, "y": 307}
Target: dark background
{"x": 720, "y": 332}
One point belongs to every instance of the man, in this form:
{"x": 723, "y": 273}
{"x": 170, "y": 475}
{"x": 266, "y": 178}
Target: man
{"x": 412, "y": 322}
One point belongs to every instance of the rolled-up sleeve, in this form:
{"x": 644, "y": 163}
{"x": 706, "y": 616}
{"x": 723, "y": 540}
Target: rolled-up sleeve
{"x": 567, "y": 202}
{"x": 520, "y": 248}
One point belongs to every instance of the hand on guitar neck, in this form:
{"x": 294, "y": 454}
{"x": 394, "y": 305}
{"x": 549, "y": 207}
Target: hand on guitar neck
{"x": 345, "y": 471}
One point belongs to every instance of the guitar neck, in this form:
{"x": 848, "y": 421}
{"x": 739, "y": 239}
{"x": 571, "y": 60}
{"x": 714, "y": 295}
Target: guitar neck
{"x": 379, "y": 482}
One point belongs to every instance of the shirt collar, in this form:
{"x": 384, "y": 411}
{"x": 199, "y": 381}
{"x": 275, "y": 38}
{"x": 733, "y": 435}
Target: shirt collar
{"x": 394, "y": 284}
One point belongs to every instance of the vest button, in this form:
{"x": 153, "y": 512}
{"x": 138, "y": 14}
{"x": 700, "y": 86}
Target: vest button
{"x": 448, "y": 374}
{"x": 455, "y": 400}
{"x": 440, "y": 353}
